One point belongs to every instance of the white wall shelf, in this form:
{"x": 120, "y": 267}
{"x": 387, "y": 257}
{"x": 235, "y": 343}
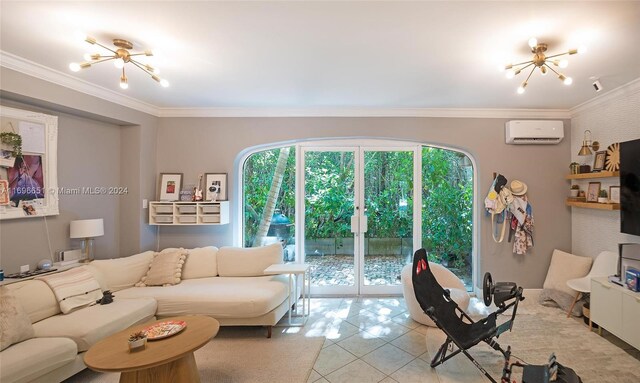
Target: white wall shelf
{"x": 188, "y": 213}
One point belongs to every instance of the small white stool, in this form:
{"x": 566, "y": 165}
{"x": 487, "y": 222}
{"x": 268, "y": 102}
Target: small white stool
{"x": 446, "y": 279}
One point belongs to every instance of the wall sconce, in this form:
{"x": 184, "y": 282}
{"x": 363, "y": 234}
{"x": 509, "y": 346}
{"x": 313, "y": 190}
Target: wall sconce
{"x": 587, "y": 144}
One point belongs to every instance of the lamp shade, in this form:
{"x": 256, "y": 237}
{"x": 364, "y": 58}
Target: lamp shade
{"x": 87, "y": 228}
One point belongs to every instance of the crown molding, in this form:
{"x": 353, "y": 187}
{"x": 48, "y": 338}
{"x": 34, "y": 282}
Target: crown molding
{"x": 22, "y": 65}
{"x": 364, "y": 112}
{"x": 612, "y": 95}
{"x": 42, "y": 72}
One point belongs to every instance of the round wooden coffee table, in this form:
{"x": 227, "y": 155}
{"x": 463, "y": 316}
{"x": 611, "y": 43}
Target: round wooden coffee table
{"x": 165, "y": 360}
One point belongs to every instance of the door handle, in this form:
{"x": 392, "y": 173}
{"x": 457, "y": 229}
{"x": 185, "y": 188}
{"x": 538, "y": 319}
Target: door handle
{"x": 364, "y": 223}
{"x": 354, "y": 224}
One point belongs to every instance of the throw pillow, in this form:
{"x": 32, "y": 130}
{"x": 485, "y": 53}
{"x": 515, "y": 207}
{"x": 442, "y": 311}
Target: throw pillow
{"x": 15, "y": 325}
{"x": 200, "y": 263}
{"x": 74, "y": 288}
{"x": 165, "y": 269}
{"x": 564, "y": 266}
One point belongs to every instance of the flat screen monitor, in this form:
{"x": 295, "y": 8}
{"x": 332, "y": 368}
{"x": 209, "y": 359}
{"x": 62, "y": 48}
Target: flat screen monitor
{"x": 630, "y": 187}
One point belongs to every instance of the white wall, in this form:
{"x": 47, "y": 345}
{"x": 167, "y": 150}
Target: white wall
{"x": 615, "y": 117}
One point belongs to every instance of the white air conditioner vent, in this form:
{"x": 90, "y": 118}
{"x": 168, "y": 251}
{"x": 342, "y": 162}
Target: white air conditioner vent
{"x": 536, "y": 132}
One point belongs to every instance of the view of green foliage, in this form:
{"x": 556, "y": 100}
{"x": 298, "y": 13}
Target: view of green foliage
{"x": 447, "y": 198}
{"x": 447, "y": 208}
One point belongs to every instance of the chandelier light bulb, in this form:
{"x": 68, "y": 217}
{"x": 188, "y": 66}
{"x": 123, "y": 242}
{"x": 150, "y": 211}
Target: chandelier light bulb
{"x": 563, "y": 63}
{"x": 87, "y": 57}
{"x": 533, "y": 42}
{"x": 164, "y": 83}
{"x": 123, "y": 82}
{"x": 568, "y": 81}
{"x": 510, "y": 74}
{"x": 119, "y": 63}
{"x": 520, "y": 89}
{"x": 75, "y": 67}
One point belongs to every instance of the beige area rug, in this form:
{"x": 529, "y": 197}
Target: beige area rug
{"x": 244, "y": 354}
{"x": 538, "y": 331}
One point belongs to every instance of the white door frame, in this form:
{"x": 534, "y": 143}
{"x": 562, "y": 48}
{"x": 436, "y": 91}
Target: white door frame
{"x": 358, "y": 151}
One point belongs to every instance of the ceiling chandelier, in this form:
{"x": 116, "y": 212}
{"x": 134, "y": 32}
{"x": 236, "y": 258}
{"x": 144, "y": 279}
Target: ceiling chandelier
{"x": 541, "y": 61}
{"x": 121, "y": 56}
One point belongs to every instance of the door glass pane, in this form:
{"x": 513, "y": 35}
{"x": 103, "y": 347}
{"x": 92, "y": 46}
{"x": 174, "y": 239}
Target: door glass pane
{"x": 388, "y": 199}
{"x": 447, "y": 210}
{"x": 329, "y": 197}
{"x": 268, "y": 206}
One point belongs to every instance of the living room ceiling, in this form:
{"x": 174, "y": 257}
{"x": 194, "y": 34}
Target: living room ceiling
{"x": 330, "y": 55}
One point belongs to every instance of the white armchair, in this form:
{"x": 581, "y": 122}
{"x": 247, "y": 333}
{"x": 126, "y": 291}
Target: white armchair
{"x": 446, "y": 279}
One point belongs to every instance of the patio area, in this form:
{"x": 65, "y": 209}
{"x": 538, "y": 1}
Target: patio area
{"x": 337, "y": 270}
{"x": 379, "y": 270}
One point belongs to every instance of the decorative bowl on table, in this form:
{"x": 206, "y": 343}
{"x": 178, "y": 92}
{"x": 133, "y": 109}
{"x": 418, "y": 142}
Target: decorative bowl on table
{"x": 164, "y": 329}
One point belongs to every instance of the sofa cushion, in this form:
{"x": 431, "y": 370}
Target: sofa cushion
{"x": 36, "y": 298}
{"x": 15, "y": 325}
{"x": 200, "y": 263}
{"x": 91, "y": 324}
{"x": 44, "y": 356}
{"x": 74, "y": 289}
{"x": 165, "y": 269}
{"x": 121, "y": 273}
{"x": 218, "y": 297}
{"x": 247, "y": 262}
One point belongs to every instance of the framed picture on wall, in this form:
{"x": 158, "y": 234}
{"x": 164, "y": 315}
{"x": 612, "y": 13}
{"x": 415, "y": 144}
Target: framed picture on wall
{"x": 593, "y": 191}
{"x": 215, "y": 186}
{"x": 31, "y": 178}
{"x": 598, "y": 162}
{"x": 614, "y": 194}
{"x": 170, "y": 184}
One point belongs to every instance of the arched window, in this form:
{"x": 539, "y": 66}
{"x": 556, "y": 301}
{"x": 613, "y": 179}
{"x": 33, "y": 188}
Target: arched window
{"x": 395, "y": 185}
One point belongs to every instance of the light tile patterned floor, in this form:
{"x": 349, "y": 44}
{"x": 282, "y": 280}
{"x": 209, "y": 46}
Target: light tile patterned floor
{"x": 374, "y": 340}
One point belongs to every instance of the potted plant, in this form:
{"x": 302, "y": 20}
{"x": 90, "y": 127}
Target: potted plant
{"x": 602, "y": 196}
{"x": 575, "y": 189}
{"x": 137, "y": 341}
{"x": 13, "y": 141}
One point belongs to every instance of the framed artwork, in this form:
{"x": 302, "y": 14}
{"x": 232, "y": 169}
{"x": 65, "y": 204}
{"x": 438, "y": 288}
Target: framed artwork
{"x": 215, "y": 186}
{"x": 170, "y": 184}
{"x": 593, "y": 191}
{"x": 598, "y": 162}
{"x": 614, "y": 194}
{"x": 29, "y": 181}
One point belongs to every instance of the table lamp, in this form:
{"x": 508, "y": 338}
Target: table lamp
{"x": 87, "y": 229}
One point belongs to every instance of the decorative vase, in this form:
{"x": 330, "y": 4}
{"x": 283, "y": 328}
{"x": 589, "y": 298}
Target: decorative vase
{"x": 573, "y": 192}
{"x": 138, "y": 344}
{"x": 603, "y": 200}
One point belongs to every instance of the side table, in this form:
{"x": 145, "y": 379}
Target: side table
{"x": 294, "y": 270}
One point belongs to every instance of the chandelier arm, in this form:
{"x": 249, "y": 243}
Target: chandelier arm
{"x": 134, "y": 62}
{"x": 522, "y": 63}
{"x": 558, "y": 55}
{"x": 105, "y": 47}
{"x": 530, "y": 73}
{"x": 553, "y": 70}
{"x": 137, "y": 54}
{"x": 107, "y": 58}
{"x": 526, "y": 66}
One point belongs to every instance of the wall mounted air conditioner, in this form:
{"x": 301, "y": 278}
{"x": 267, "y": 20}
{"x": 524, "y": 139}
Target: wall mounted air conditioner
{"x": 539, "y": 132}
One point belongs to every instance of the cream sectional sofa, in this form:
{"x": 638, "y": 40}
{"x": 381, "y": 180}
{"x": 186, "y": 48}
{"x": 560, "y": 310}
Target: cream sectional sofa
{"x": 227, "y": 284}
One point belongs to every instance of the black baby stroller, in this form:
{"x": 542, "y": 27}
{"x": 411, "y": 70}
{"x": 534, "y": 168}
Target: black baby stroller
{"x": 464, "y": 333}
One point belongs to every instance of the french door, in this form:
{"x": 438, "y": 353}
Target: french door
{"x": 359, "y": 215}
